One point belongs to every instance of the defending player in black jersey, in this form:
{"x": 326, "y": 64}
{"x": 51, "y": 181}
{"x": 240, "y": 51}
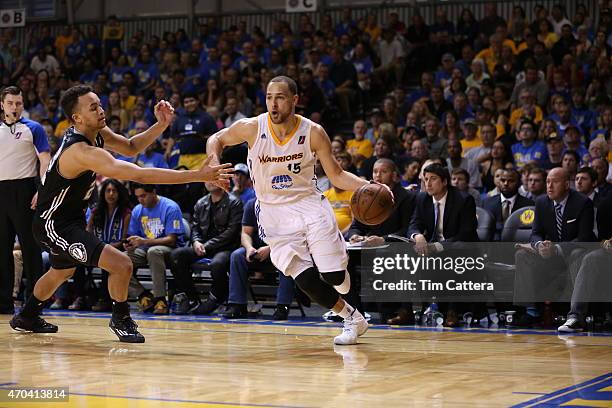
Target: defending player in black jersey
{"x": 59, "y": 222}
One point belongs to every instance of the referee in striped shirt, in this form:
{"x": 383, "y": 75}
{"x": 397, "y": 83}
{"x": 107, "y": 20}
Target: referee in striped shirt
{"x": 23, "y": 145}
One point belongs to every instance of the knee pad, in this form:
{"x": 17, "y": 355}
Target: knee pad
{"x": 334, "y": 278}
{"x": 310, "y": 283}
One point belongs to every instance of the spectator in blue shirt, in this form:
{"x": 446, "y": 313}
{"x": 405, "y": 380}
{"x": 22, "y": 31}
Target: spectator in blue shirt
{"x": 151, "y": 158}
{"x": 156, "y": 228}
{"x": 528, "y": 149}
{"x": 146, "y": 70}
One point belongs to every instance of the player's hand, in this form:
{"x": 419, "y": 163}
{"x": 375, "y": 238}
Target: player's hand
{"x": 164, "y": 113}
{"x": 250, "y": 253}
{"x": 262, "y": 253}
{"x": 34, "y": 201}
{"x": 219, "y": 175}
{"x": 199, "y": 249}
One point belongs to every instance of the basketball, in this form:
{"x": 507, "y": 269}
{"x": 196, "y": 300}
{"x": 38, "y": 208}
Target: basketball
{"x": 372, "y": 204}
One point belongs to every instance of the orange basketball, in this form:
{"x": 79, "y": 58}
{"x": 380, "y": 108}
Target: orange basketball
{"x": 372, "y": 204}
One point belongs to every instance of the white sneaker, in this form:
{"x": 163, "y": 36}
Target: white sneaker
{"x": 354, "y": 327}
{"x": 345, "y": 286}
{"x": 571, "y": 325}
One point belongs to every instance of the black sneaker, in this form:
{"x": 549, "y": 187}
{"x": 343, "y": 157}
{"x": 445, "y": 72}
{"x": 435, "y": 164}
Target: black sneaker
{"x": 281, "y": 313}
{"x": 235, "y": 311}
{"x": 207, "y": 307}
{"x": 126, "y": 329}
{"x": 571, "y": 325}
{"x": 182, "y": 305}
{"x": 33, "y": 325}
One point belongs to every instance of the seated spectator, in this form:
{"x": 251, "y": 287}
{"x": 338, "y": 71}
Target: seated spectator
{"x": 155, "y": 229}
{"x": 570, "y": 162}
{"x": 585, "y": 181}
{"x": 442, "y": 216}
{"x": 536, "y": 183}
{"x": 231, "y": 112}
{"x": 526, "y": 109}
{"x": 385, "y": 172}
{"x": 359, "y": 147}
{"x": 383, "y": 149}
{"x": 470, "y": 140}
{"x": 489, "y": 168}
{"x": 151, "y": 157}
{"x": 254, "y": 256}
{"x": 593, "y": 273}
{"x": 460, "y": 179}
{"x": 528, "y": 148}
{"x": 554, "y": 148}
{"x": 482, "y": 152}
{"x": 109, "y": 221}
{"x": 601, "y": 166}
{"x": 340, "y": 201}
{"x": 243, "y": 186}
{"x": 573, "y": 141}
{"x": 507, "y": 201}
{"x": 455, "y": 161}
{"x": 437, "y": 105}
{"x": 561, "y": 216}
{"x": 215, "y": 233}
{"x": 410, "y": 175}
{"x": 437, "y": 146}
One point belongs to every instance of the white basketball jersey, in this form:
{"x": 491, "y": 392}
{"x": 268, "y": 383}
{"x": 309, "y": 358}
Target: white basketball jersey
{"x": 282, "y": 172}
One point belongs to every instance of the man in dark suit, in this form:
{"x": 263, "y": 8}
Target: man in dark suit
{"x": 385, "y": 172}
{"x": 563, "y": 217}
{"x": 509, "y": 200}
{"x": 443, "y": 217}
{"x": 593, "y": 281}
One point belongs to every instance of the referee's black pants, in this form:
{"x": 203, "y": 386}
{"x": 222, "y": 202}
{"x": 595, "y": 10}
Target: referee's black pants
{"x": 16, "y": 218}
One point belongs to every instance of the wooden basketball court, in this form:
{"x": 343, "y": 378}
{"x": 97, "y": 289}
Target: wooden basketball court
{"x": 209, "y": 362}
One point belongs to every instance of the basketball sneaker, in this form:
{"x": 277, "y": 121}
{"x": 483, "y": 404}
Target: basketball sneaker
{"x": 354, "y": 326}
{"x": 126, "y": 329}
{"x": 571, "y": 325}
{"x": 182, "y": 305}
{"x": 33, "y": 325}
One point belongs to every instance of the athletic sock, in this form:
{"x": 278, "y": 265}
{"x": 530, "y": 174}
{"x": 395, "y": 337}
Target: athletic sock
{"x": 33, "y": 307}
{"x": 120, "y": 309}
{"x": 347, "y": 311}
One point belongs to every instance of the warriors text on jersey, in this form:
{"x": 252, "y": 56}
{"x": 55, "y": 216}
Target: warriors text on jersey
{"x": 282, "y": 172}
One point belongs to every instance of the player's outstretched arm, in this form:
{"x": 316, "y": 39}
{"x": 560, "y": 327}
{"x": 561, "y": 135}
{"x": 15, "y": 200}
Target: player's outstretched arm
{"x": 244, "y": 130}
{"x": 164, "y": 113}
{"x": 321, "y": 146}
{"x": 103, "y": 163}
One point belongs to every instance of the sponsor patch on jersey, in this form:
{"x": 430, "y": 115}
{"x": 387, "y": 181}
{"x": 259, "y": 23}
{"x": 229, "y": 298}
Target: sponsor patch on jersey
{"x": 78, "y": 252}
{"x": 280, "y": 159}
{"x": 282, "y": 182}
{"x": 301, "y": 139}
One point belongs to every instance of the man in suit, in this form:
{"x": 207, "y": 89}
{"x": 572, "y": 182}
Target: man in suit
{"x": 562, "y": 218}
{"x": 443, "y": 217}
{"x": 593, "y": 282}
{"x": 509, "y": 200}
{"x": 385, "y": 172}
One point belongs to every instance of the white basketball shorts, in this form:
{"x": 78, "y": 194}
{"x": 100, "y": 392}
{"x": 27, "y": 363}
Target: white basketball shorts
{"x": 302, "y": 234}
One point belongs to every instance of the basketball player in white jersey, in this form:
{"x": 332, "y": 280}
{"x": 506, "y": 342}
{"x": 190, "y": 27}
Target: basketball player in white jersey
{"x": 294, "y": 218}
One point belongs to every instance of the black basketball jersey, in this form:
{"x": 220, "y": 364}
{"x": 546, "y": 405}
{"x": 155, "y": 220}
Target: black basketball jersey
{"x": 62, "y": 199}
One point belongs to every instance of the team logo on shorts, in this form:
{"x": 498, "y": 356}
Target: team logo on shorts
{"x": 282, "y": 182}
{"x": 78, "y": 252}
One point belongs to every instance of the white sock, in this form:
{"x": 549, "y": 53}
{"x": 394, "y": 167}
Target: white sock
{"x": 347, "y": 311}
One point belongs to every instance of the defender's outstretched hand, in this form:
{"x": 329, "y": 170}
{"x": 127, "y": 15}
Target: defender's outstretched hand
{"x": 164, "y": 112}
{"x": 216, "y": 174}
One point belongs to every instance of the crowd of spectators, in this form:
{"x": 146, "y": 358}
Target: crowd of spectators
{"x": 498, "y": 102}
